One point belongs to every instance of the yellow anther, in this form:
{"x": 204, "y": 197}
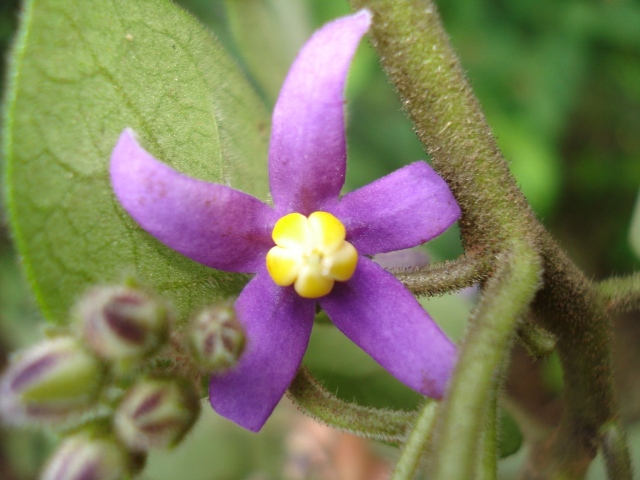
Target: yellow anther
{"x": 291, "y": 231}
{"x": 327, "y": 230}
{"x": 283, "y": 265}
{"x": 311, "y": 254}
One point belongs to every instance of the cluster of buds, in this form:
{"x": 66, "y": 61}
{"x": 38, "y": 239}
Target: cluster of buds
{"x": 68, "y": 382}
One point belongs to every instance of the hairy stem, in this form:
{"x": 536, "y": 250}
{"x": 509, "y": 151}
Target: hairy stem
{"x": 384, "y": 425}
{"x": 414, "y": 447}
{"x": 621, "y": 294}
{"x": 487, "y": 456}
{"x": 444, "y": 277}
{"x": 538, "y": 341}
{"x": 461, "y": 422}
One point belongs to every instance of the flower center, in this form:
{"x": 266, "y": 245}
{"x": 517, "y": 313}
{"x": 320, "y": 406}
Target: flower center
{"x": 310, "y": 253}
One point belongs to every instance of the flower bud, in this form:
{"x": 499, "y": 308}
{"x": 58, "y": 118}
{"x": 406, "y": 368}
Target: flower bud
{"x": 216, "y": 338}
{"x": 123, "y": 322}
{"x": 49, "y": 382}
{"x": 156, "y": 413}
{"x": 82, "y": 457}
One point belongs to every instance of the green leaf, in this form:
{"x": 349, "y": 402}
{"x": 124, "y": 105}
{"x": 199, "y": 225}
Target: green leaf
{"x": 83, "y": 71}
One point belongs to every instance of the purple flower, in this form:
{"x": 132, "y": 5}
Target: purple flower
{"x": 321, "y": 259}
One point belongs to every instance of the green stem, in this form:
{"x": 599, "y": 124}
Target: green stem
{"x": 487, "y": 468}
{"x": 460, "y": 423}
{"x": 538, "y": 341}
{"x": 414, "y": 447}
{"x": 621, "y": 294}
{"x": 444, "y": 277}
{"x": 384, "y": 425}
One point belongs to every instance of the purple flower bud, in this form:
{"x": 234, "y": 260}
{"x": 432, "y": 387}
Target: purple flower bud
{"x": 122, "y": 322}
{"x": 49, "y": 382}
{"x": 216, "y": 338}
{"x": 156, "y": 413}
{"x": 82, "y": 457}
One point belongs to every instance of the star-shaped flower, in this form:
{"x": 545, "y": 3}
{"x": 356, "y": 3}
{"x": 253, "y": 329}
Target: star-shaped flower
{"x": 312, "y": 247}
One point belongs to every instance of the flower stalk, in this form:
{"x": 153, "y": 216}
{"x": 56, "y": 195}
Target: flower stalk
{"x": 444, "y": 277}
{"x": 621, "y": 294}
{"x": 316, "y": 401}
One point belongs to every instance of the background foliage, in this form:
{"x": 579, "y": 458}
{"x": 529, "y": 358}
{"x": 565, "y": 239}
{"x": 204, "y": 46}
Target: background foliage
{"x": 560, "y": 84}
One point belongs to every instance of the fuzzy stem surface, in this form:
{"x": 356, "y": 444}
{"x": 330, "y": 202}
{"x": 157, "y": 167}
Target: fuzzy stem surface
{"x": 622, "y": 294}
{"x": 487, "y": 456}
{"x": 414, "y": 447}
{"x": 462, "y": 417}
{"x": 316, "y": 401}
{"x": 444, "y": 277}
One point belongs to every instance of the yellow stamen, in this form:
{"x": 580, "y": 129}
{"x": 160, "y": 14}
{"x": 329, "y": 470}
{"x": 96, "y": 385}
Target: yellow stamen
{"x": 311, "y": 254}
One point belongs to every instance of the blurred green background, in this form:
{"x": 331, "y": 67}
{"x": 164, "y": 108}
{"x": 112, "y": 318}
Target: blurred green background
{"x": 560, "y": 84}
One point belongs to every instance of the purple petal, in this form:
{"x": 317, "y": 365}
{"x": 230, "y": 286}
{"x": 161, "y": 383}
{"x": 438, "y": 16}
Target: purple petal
{"x": 307, "y": 154}
{"x": 278, "y": 325}
{"x": 406, "y": 208}
{"x": 212, "y": 224}
{"x": 377, "y": 313}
